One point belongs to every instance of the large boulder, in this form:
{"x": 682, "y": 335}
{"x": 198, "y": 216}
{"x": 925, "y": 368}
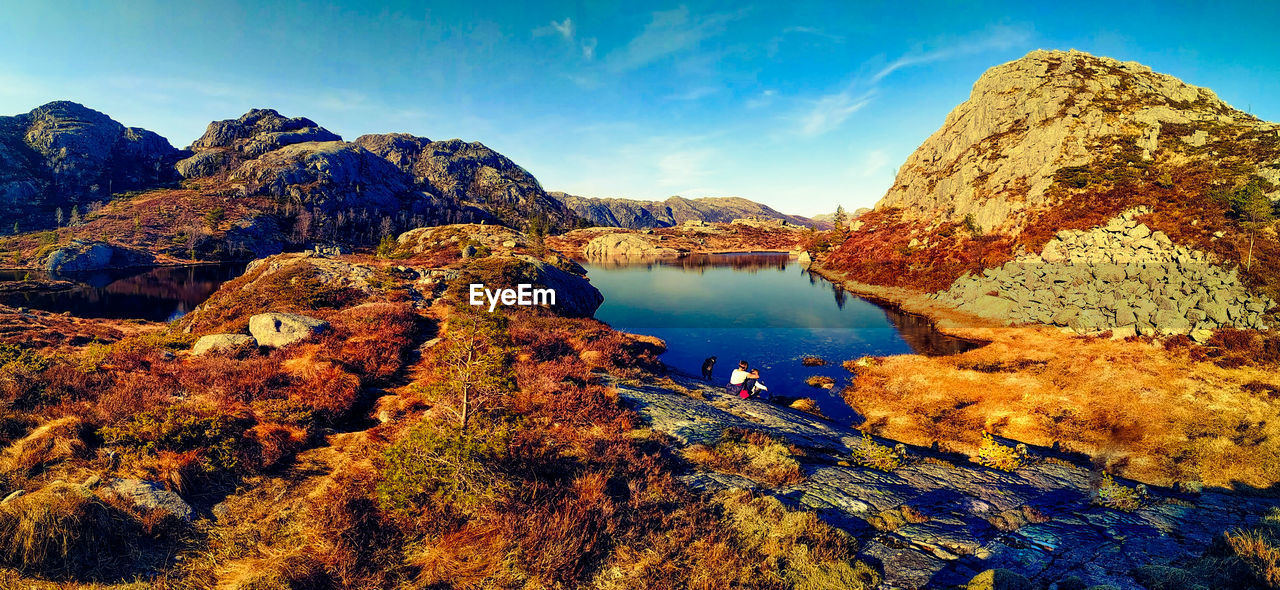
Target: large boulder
{"x": 277, "y": 330}
{"x": 152, "y": 496}
{"x": 219, "y": 342}
{"x": 85, "y": 255}
{"x": 575, "y": 295}
{"x": 622, "y": 245}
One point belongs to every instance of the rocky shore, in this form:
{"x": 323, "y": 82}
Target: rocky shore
{"x": 937, "y": 520}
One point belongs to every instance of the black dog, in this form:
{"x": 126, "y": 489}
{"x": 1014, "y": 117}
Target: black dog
{"x": 707, "y": 365}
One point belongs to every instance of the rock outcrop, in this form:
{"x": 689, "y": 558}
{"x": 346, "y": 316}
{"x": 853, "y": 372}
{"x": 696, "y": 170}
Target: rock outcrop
{"x": 672, "y": 212}
{"x": 331, "y": 176}
{"x": 220, "y": 342}
{"x": 277, "y": 330}
{"x": 938, "y": 521}
{"x": 152, "y": 496}
{"x": 64, "y": 155}
{"x": 630, "y": 246}
{"x": 227, "y": 143}
{"x": 87, "y": 255}
{"x": 996, "y": 156}
{"x": 1121, "y": 277}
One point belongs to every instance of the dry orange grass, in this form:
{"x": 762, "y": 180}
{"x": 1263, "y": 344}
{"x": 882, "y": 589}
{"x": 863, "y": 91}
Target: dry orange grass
{"x": 1151, "y": 414}
{"x": 751, "y": 454}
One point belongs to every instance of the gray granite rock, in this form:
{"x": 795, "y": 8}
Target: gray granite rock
{"x": 1038, "y": 521}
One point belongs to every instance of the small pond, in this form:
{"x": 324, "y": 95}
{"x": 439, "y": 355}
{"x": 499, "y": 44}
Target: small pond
{"x": 157, "y": 294}
{"x": 763, "y": 308}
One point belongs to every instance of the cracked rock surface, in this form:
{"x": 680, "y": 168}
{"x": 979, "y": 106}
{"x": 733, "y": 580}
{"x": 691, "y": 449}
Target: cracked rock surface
{"x": 957, "y": 518}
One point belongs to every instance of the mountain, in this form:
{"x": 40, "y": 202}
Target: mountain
{"x": 1062, "y": 158}
{"x": 248, "y": 187}
{"x": 470, "y": 173}
{"x": 999, "y": 156}
{"x": 671, "y": 212}
{"x": 63, "y": 155}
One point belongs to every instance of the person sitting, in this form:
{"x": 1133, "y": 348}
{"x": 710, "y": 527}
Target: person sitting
{"x": 743, "y": 380}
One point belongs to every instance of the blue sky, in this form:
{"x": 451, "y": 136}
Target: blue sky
{"x": 799, "y": 105}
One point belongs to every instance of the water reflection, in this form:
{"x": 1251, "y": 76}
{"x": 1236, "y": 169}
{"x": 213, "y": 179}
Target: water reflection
{"x": 753, "y": 306}
{"x": 158, "y": 294}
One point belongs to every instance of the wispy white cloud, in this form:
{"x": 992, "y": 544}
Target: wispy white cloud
{"x": 568, "y": 31}
{"x": 764, "y": 99}
{"x": 872, "y": 165}
{"x": 992, "y": 39}
{"x": 813, "y": 31}
{"x": 565, "y": 28}
{"x": 668, "y": 33}
{"x": 830, "y": 111}
{"x": 695, "y": 93}
{"x": 683, "y": 169}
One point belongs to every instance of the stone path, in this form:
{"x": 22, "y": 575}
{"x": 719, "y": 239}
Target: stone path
{"x": 938, "y": 520}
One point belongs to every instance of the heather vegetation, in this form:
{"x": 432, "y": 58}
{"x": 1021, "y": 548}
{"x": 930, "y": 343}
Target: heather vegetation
{"x": 500, "y": 457}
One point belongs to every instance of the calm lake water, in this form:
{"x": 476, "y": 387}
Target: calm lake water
{"x": 157, "y": 294}
{"x": 765, "y": 309}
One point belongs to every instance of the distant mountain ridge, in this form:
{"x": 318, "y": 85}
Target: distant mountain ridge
{"x": 636, "y": 214}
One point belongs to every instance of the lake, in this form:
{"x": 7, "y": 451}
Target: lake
{"x": 158, "y": 294}
{"x": 764, "y": 308}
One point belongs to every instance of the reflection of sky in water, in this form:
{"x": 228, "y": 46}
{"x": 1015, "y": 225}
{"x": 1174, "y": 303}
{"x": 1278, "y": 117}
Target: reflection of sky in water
{"x": 772, "y": 317}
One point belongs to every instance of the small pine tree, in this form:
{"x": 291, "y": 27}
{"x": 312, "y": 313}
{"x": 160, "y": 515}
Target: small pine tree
{"x": 387, "y": 247}
{"x": 1255, "y": 210}
{"x": 476, "y": 363}
{"x": 16, "y": 231}
{"x": 57, "y": 216}
{"x": 75, "y": 216}
{"x": 841, "y": 221}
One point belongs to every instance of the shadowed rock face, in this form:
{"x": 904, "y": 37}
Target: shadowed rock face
{"x": 671, "y": 212}
{"x": 63, "y": 155}
{"x": 469, "y": 173}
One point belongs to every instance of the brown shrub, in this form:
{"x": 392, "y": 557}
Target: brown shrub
{"x": 751, "y": 454}
{"x": 62, "y": 529}
{"x": 53, "y": 442}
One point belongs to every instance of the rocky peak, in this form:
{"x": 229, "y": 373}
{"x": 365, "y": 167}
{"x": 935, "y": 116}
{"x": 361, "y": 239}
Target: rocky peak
{"x": 471, "y": 173}
{"x": 995, "y": 157}
{"x": 401, "y": 149}
{"x": 64, "y": 154}
{"x": 259, "y": 131}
